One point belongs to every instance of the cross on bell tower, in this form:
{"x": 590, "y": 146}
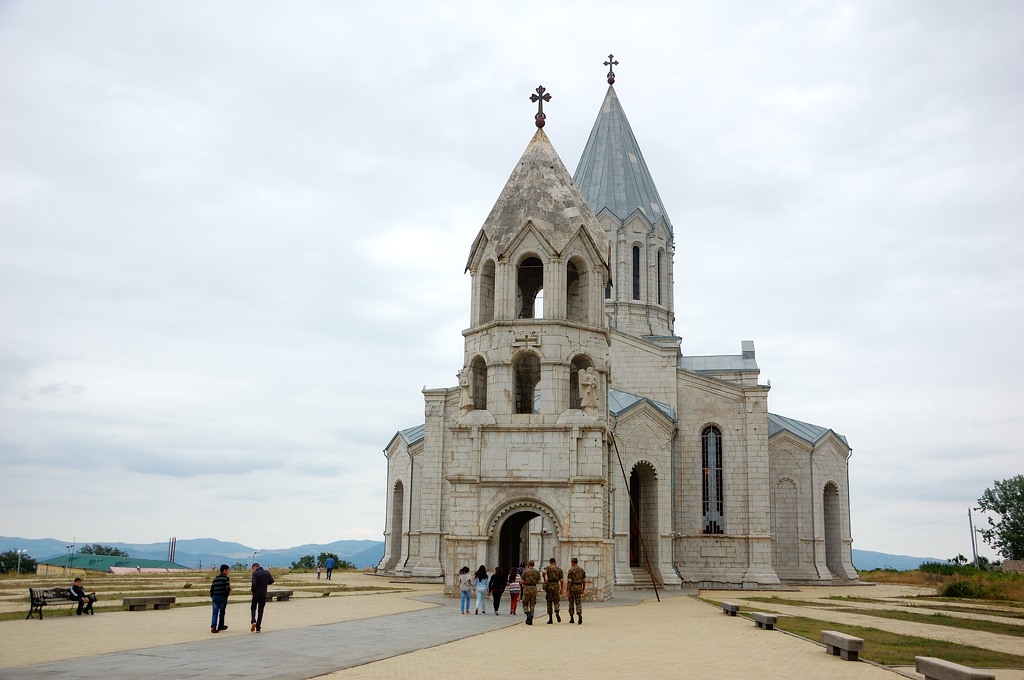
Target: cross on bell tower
{"x": 541, "y": 97}
{"x": 611, "y": 64}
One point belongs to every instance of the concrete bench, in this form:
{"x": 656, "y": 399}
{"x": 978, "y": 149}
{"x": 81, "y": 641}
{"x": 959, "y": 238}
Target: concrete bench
{"x": 840, "y": 644}
{"x": 158, "y": 602}
{"x": 730, "y": 608}
{"x": 762, "y": 620}
{"x": 937, "y": 669}
{"x": 281, "y": 595}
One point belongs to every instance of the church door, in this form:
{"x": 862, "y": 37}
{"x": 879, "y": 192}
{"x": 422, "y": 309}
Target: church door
{"x": 514, "y": 539}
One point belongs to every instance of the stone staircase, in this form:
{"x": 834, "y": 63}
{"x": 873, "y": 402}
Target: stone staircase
{"x": 642, "y": 579}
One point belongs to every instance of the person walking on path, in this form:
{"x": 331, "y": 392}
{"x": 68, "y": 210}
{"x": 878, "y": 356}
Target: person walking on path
{"x": 530, "y": 579}
{"x": 318, "y": 570}
{"x": 515, "y": 587}
{"x": 498, "y": 583}
{"x": 577, "y": 583}
{"x": 482, "y": 584}
{"x": 465, "y": 588}
{"x": 261, "y": 578}
{"x": 553, "y": 576}
{"x": 219, "y": 591}
{"x": 330, "y": 567}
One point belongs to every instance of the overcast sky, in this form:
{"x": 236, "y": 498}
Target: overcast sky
{"x": 232, "y": 239}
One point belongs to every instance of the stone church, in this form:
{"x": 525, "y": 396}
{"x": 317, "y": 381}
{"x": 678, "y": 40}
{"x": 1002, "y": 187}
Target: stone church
{"x": 578, "y": 428}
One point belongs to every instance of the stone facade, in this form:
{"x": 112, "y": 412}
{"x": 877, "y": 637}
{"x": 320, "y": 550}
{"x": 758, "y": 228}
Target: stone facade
{"x": 578, "y": 428}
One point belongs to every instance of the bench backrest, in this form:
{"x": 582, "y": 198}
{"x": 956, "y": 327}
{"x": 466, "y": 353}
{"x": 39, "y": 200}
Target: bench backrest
{"x": 37, "y": 594}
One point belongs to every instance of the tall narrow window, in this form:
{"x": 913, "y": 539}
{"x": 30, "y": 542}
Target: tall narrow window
{"x": 636, "y": 272}
{"x": 529, "y": 283}
{"x": 580, "y": 364}
{"x": 711, "y": 457}
{"x": 486, "y": 292}
{"x": 526, "y": 368}
{"x": 661, "y": 254}
{"x": 577, "y": 291}
{"x": 479, "y": 373}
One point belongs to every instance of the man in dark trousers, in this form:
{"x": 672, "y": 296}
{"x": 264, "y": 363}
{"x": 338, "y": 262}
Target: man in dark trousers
{"x": 261, "y": 578}
{"x": 84, "y": 599}
{"x": 553, "y": 577}
{"x": 219, "y": 591}
{"x": 330, "y": 567}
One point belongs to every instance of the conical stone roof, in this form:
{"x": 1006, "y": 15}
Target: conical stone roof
{"x": 612, "y": 172}
{"x": 540, "y": 191}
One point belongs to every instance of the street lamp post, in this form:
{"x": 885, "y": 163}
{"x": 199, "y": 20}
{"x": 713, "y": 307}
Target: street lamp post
{"x": 20, "y": 553}
{"x": 254, "y": 554}
{"x": 67, "y": 558}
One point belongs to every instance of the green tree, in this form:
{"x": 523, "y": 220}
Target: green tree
{"x": 9, "y": 562}
{"x": 1005, "y": 499}
{"x": 338, "y": 562}
{"x": 97, "y": 549}
{"x": 304, "y": 562}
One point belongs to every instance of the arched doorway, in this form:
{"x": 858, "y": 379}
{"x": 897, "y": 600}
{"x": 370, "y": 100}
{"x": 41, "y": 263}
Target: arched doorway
{"x": 397, "y": 516}
{"x": 643, "y": 515}
{"x": 833, "y": 529}
{"x": 514, "y": 538}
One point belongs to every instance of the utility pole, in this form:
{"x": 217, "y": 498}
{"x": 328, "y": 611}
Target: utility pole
{"x": 974, "y": 539}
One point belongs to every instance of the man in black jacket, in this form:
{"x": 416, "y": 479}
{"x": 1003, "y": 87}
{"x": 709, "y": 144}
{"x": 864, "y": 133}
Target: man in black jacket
{"x": 261, "y": 578}
{"x": 84, "y": 599}
{"x": 219, "y": 591}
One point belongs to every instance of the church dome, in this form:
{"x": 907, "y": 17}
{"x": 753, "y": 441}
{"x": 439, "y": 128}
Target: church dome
{"x": 541, "y": 192}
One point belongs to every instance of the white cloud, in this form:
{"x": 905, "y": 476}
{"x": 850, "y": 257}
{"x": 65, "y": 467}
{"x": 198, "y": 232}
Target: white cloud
{"x": 232, "y": 238}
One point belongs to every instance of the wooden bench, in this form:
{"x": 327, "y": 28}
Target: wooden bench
{"x": 730, "y": 608}
{"x": 281, "y": 595}
{"x": 766, "y": 621}
{"x": 938, "y": 669}
{"x": 158, "y": 602}
{"x": 840, "y": 644}
{"x": 41, "y": 597}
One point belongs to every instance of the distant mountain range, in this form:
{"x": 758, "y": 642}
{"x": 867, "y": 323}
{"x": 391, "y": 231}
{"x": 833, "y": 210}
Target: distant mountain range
{"x": 205, "y": 552}
{"x": 866, "y": 560}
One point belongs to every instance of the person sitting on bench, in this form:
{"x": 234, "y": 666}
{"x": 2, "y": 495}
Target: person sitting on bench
{"x": 84, "y": 599}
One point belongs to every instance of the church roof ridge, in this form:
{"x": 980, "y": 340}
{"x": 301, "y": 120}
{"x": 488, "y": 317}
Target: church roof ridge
{"x": 541, "y": 191}
{"x": 612, "y": 172}
{"x": 806, "y": 431}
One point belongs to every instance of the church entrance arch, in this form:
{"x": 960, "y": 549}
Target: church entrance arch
{"x": 521, "y": 532}
{"x": 643, "y": 515}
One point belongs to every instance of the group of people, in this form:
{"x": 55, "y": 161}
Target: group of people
{"x": 523, "y": 581}
{"x": 221, "y": 588}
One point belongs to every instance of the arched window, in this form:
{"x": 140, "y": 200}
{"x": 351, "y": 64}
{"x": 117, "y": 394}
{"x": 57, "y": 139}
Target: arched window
{"x": 636, "y": 272}
{"x": 526, "y": 369}
{"x": 661, "y": 282}
{"x": 577, "y": 291}
{"x": 579, "y": 363}
{"x": 479, "y": 377}
{"x": 711, "y": 457}
{"x": 529, "y": 284}
{"x": 486, "y": 292}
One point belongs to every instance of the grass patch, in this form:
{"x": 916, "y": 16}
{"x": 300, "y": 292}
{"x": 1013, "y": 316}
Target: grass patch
{"x": 822, "y": 604}
{"x": 941, "y": 619}
{"x": 893, "y": 649}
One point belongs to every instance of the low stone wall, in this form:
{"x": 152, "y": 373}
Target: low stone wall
{"x": 1013, "y": 566}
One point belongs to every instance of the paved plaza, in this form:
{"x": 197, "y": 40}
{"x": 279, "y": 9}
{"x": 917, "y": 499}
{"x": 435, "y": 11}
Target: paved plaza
{"x": 422, "y": 635}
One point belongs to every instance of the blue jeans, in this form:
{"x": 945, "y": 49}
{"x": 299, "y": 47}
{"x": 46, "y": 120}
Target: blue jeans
{"x": 220, "y": 606}
{"x": 464, "y": 601}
